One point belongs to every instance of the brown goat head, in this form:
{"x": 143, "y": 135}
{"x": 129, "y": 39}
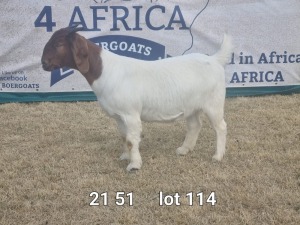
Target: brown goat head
{"x": 66, "y": 48}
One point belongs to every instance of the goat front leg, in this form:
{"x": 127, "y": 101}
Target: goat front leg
{"x": 126, "y": 153}
{"x": 122, "y": 129}
{"x": 133, "y": 137}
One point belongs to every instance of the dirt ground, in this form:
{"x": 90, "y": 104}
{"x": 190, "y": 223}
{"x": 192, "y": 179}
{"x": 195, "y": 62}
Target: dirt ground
{"x": 56, "y": 159}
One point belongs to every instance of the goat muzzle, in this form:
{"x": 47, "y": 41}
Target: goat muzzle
{"x": 47, "y": 66}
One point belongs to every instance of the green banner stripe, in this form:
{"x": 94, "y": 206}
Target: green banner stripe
{"x": 7, "y": 97}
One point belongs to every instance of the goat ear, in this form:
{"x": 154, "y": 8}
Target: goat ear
{"x": 79, "y": 49}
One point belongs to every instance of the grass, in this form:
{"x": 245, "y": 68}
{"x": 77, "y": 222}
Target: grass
{"x": 54, "y": 155}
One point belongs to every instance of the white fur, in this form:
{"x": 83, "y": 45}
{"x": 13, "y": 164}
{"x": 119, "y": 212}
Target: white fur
{"x": 132, "y": 91}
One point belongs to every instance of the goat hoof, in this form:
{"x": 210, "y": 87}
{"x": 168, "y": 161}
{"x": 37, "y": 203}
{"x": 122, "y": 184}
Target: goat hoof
{"x": 133, "y": 167}
{"x": 217, "y": 157}
{"x": 182, "y": 151}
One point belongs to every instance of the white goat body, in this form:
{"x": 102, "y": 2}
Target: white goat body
{"x": 160, "y": 90}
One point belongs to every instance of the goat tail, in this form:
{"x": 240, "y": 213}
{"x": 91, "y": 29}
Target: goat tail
{"x": 224, "y": 53}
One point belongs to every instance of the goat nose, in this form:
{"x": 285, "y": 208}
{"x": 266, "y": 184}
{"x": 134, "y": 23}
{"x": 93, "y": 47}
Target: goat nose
{"x": 44, "y": 62}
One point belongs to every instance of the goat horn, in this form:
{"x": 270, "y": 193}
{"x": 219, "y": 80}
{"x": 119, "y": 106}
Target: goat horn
{"x": 74, "y": 28}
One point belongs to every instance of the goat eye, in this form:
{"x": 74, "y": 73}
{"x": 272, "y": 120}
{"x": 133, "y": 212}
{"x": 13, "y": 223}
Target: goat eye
{"x": 59, "y": 44}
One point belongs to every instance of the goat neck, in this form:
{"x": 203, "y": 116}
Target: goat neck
{"x": 95, "y": 63}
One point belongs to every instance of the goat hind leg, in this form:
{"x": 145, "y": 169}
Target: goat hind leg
{"x": 220, "y": 127}
{"x": 193, "y": 129}
{"x": 221, "y": 130}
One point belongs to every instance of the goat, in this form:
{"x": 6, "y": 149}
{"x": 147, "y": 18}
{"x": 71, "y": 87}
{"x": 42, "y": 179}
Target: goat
{"x": 132, "y": 90}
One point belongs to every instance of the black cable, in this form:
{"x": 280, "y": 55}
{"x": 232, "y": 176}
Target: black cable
{"x": 190, "y": 28}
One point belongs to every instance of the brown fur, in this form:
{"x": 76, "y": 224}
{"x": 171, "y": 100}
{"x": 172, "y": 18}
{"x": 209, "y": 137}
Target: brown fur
{"x": 69, "y": 49}
{"x": 129, "y": 145}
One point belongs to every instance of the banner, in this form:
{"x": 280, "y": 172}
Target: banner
{"x": 266, "y": 36}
